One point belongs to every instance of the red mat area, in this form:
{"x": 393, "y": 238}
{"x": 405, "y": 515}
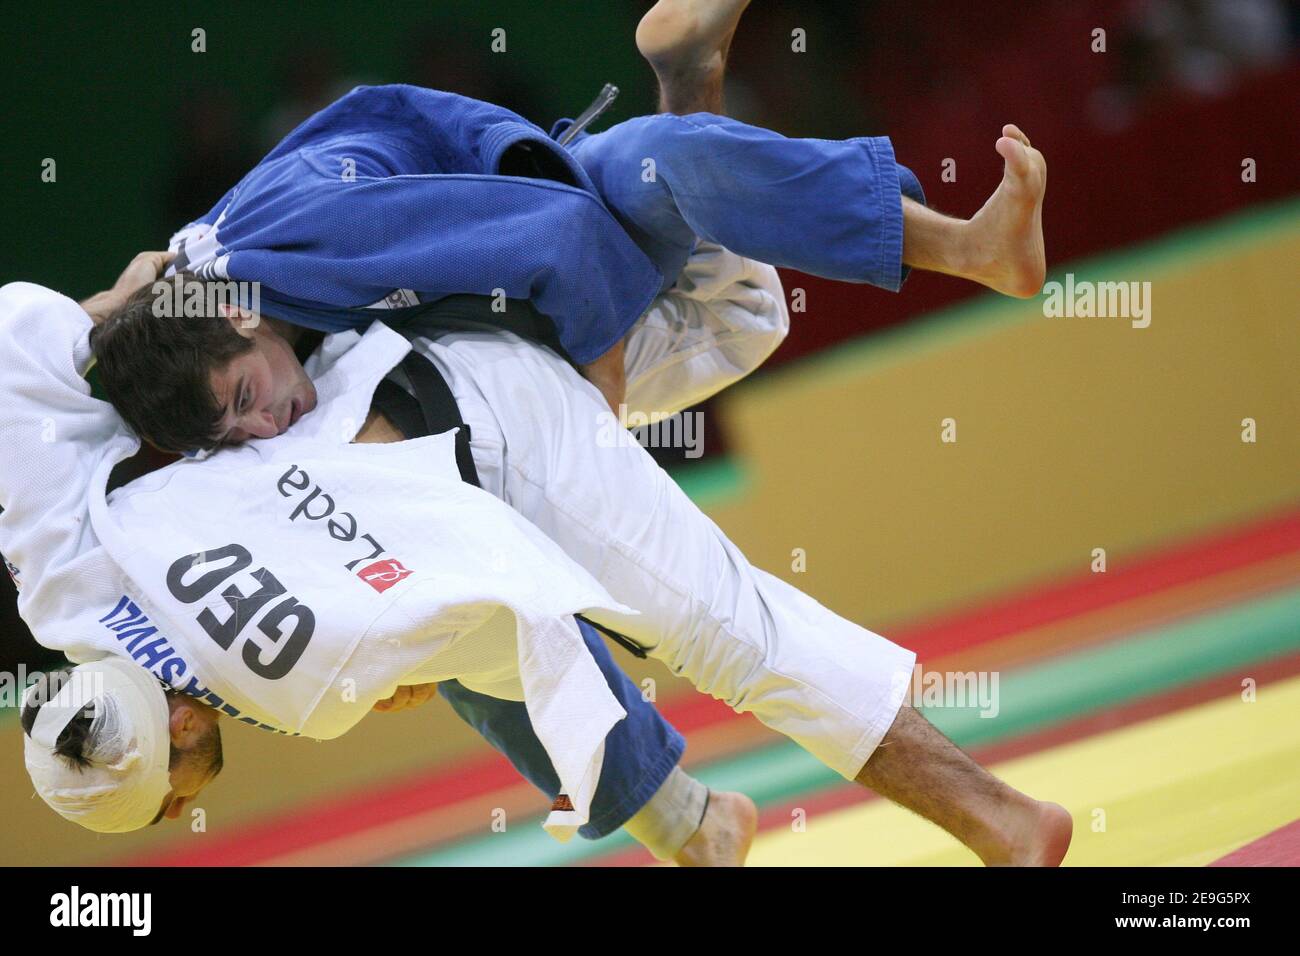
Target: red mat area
{"x": 1279, "y": 848}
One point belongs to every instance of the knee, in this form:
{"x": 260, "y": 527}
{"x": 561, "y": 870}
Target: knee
{"x": 772, "y": 320}
{"x": 762, "y": 320}
{"x": 669, "y": 137}
{"x": 719, "y": 664}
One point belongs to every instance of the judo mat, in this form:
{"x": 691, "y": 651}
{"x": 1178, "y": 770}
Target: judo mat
{"x": 1157, "y": 699}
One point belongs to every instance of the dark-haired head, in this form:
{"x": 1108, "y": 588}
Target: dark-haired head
{"x": 189, "y": 369}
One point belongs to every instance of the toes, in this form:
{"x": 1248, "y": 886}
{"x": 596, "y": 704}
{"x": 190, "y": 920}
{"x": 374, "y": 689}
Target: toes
{"x": 1013, "y": 151}
{"x": 1012, "y": 130}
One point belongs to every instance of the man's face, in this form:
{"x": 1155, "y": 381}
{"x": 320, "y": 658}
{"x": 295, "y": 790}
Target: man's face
{"x": 263, "y": 391}
{"x": 191, "y": 724}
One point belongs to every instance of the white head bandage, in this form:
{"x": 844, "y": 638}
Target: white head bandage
{"x": 128, "y": 747}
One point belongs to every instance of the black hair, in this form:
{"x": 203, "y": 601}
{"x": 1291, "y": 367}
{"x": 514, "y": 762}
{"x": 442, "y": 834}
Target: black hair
{"x": 157, "y": 369}
{"x": 72, "y": 741}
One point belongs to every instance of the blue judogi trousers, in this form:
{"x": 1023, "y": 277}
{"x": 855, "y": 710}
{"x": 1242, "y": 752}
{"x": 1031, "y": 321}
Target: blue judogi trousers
{"x": 831, "y": 208}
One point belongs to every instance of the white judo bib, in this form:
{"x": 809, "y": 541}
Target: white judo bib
{"x": 300, "y": 579}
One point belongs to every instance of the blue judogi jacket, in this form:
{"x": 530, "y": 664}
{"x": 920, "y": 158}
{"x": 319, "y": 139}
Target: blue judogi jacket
{"x": 398, "y": 195}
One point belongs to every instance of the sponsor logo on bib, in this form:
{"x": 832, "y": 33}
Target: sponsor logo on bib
{"x": 383, "y": 574}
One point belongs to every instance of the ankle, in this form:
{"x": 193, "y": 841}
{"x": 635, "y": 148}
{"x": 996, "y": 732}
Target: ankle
{"x": 938, "y": 243}
{"x": 969, "y": 257}
{"x": 995, "y": 846}
{"x": 691, "y": 89}
{"x": 1011, "y": 839}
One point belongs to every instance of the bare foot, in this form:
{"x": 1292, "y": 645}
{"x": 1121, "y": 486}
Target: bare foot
{"x": 1050, "y": 839}
{"x": 725, "y": 833}
{"x": 1005, "y": 237}
{"x": 686, "y": 41}
{"x": 1039, "y": 837}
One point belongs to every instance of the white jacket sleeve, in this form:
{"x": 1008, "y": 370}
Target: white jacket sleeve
{"x": 57, "y": 447}
{"x": 720, "y": 321}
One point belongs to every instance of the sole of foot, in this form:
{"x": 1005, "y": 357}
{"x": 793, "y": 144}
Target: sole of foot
{"x": 679, "y": 36}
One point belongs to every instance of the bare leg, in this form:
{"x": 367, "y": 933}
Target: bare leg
{"x": 686, "y": 42}
{"x": 1001, "y": 246}
{"x": 919, "y": 768}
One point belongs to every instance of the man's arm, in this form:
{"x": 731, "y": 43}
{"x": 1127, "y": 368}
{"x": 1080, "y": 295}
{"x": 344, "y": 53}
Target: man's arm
{"x": 609, "y": 374}
{"x": 143, "y": 269}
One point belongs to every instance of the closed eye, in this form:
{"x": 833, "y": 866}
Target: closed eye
{"x": 240, "y": 404}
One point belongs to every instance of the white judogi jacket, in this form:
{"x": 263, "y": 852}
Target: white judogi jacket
{"x": 296, "y": 580}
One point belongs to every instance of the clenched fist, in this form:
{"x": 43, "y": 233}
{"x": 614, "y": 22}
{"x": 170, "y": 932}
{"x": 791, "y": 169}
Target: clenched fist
{"x": 408, "y": 695}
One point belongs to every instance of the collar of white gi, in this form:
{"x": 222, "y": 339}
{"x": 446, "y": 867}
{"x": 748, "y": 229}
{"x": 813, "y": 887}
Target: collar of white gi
{"x": 129, "y": 746}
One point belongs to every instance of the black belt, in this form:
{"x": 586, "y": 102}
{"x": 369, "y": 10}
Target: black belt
{"x": 432, "y": 410}
{"x": 464, "y": 312}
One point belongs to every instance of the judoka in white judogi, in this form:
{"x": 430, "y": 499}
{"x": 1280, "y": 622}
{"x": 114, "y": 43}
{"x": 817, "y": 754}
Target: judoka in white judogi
{"x": 723, "y": 318}
{"x": 299, "y": 579}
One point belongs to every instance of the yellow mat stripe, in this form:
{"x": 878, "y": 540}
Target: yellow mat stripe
{"x": 1179, "y": 790}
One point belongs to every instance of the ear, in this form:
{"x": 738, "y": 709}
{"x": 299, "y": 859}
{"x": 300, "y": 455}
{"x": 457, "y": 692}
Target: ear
{"x": 182, "y": 721}
{"x": 241, "y": 320}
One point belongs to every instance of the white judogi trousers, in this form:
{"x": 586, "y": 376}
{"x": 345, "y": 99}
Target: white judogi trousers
{"x": 539, "y": 437}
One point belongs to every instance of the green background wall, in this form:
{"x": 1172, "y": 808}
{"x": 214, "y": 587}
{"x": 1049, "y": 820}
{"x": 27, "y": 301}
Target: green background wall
{"x": 98, "y": 88}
